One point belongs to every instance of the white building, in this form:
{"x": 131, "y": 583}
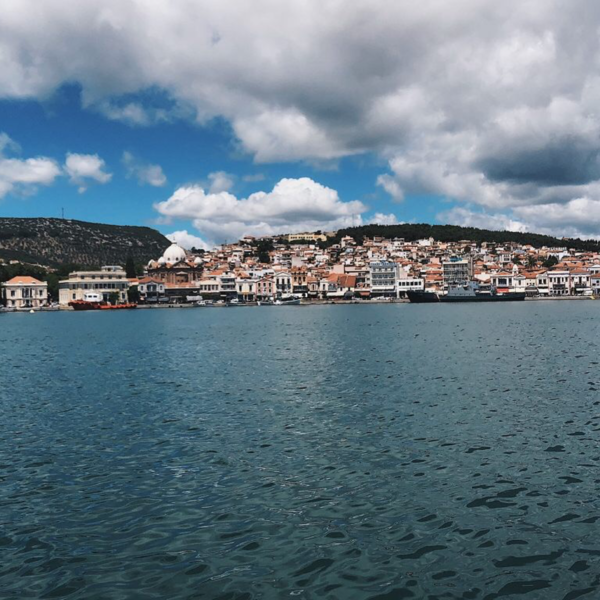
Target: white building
{"x": 23, "y": 292}
{"x": 456, "y": 272}
{"x": 383, "y": 278}
{"x": 408, "y": 283}
{"x": 109, "y": 280}
{"x": 559, "y": 283}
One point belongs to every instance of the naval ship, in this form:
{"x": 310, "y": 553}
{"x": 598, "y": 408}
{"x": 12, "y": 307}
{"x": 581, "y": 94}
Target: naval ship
{"x": 465, "y": 293}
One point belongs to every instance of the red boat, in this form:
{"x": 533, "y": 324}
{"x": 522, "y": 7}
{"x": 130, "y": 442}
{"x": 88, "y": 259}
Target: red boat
{"x": 86, "y": 305}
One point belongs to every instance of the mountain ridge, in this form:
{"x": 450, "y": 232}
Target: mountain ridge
{"x": 53, "y": 242}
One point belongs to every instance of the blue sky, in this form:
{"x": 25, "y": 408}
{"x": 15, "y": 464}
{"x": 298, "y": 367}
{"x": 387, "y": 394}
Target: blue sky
{"x": 187, "y": 152}
{"x": 212, "y": 119}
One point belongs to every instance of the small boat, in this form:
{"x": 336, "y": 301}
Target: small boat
{"x": 288, "y": 301}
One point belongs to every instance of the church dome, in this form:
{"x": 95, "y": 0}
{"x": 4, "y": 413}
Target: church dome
{"x": 174, "y": 254}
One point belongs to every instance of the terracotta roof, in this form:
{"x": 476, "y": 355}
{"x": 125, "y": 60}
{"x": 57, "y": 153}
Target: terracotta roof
{"x": 24, "y": 280}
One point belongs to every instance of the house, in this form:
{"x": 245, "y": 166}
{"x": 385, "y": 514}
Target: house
{"x": 338, "y": 285}
{"x": 283, "y": 283}
{"x": 151, "y": 290}
{"x": 581, "y": 282}
{"x": 24, "y": 292}
{"x": 559, "y": 283}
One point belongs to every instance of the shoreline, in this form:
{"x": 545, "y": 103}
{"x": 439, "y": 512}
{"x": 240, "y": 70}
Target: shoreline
{"x": 303, "y": 303}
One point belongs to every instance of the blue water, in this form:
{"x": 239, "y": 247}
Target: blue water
{"x": 336, "y": 452}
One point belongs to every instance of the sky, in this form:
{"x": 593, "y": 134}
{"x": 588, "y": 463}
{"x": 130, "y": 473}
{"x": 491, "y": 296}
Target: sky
{"x": 214, "y": 119}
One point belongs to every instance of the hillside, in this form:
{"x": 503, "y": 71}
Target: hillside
{"x": 454, "y": 233}
{"x": 55, "y": 242}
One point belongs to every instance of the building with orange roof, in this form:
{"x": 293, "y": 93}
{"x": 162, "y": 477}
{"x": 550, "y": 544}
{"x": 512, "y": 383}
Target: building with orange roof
{"x": 24, "y": 293}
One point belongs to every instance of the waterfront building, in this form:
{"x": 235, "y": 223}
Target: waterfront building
{"x": 383, "y": 278}
{"x": 559, "y": 283}
{"x": 108, "y": 281}
{"x": 265, "y": 288}
{"x": 502, "y": 281}
{"x": 246, "y": 288}
{"x": 408, "y": 283}
{"x": 283, "y": 283}
{"x": 151, "y": 290}
{"x": 581, "y": 282}
{"x": 299, "y": 281}
{"x": 338, "y": 285}
{"x": 24, "y": 292}
{"x": 456, "y": 272}
{"x": 174, "y": 267}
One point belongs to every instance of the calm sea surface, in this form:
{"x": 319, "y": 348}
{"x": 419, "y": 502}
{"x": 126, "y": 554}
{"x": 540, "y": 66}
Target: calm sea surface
{"x": 336, "y": 452}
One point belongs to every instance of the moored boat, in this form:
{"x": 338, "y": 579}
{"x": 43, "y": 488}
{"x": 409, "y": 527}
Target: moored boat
{"x": 468, "y": 293}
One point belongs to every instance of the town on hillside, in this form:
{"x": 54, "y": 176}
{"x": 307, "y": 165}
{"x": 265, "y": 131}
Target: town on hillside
{"x": 302, "y": 267}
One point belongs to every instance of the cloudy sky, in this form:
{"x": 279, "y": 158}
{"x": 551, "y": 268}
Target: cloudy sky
{"x": 215, "y": 118}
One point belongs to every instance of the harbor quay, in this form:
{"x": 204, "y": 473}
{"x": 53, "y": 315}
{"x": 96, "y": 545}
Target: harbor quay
{"x": 304, "y": 269}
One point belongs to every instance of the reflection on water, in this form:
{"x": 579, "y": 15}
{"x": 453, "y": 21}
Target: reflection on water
{"x": 392, "y": 451}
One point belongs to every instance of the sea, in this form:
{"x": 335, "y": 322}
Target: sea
{"x": 375, "y": 452}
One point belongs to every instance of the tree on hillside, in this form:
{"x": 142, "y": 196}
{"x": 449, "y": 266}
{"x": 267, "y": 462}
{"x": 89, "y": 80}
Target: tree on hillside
{"x": 130, "y": 270}
{"x": 550, "y": 262}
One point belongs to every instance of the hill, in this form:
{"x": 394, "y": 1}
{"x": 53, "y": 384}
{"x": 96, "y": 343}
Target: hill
{"x": 54, "y": 242}
{"x": 454, "y": 233}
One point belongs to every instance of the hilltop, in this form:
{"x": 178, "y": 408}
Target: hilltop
{"x": 54, "y": 242}
{"x": 455, "y": 233}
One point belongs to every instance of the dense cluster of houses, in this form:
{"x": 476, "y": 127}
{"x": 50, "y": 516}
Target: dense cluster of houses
{"x": 301, "y": 265}
{"x": 376, "y": 268}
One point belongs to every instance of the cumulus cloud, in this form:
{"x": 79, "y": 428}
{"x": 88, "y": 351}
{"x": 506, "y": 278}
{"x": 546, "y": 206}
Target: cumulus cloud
{"x": 292, "y": 205}
{"x": 391, "y": 186}
{"x": 22, "y": 176}
{"x": 83, "y": 169}
{"x": 145, "y": 173}
{"x": 220, "y": 181}
{"x": 492, "y": 104}
{"x": 468, "y": 218}
{"x": 383, "y": 219}
{"x": 578, "y": 218}
{"x": 188, "y": 240}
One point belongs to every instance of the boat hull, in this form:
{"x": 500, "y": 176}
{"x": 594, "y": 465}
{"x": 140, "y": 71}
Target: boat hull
{"x": 429, "y": 297}
{"x": 85, "y": 305}
{"x": 423, "y": 297}
{"x": 513, "y": 297}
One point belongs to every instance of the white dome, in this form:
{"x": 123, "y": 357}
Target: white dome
{"x": 161, "y": 260}
{"x": 197, "y": 260}
{"x": 174, "y": 253}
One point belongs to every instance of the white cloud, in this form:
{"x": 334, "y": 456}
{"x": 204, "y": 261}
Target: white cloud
{"x": 145, "y": 173}
{"x": 468, "y": 218}
{"x": 22, "y": 176}
{"x": 488, "y": 103}
{"x": 578, "y": 218}
{"x": 391, "y": 186}
{"x": 84, "y": 168}
{"x": 188, "y": 240}
{"x": 383, "y": 219}
{"x": 220, "y": 181}
{"x": 292, "y": 205}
